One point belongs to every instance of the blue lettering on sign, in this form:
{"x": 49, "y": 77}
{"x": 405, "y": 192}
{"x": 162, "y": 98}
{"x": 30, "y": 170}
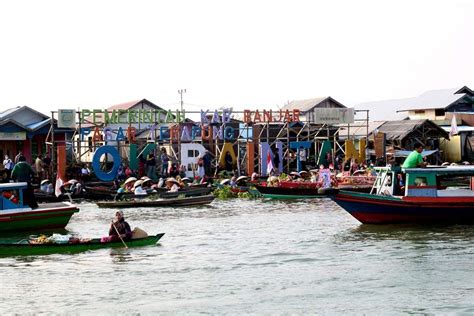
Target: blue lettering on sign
{"x": 112, "y": 174}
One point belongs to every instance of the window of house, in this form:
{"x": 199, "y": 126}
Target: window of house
{"x": 419, "y": 111}
{"x": 439, "y": 112}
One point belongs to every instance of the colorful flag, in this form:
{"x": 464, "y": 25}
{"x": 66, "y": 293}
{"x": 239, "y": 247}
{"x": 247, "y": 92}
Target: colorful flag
{"x": 454, "y": 126}
{"x": 269, "y": 163}
{"x": 59, "y": 184}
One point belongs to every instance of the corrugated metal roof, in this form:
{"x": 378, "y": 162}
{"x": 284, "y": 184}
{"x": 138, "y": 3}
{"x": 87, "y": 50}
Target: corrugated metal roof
{"x": 124, "y": 106}
{"x": 131, "y": 104}
{"x": 359, "y": 129}
{"x": 390, "y": 109}
{"x": 8, "y": 112}
{"x": 304, "y": 105}
{"x": 398, "y": 130}
{"x": 308, "y": 104}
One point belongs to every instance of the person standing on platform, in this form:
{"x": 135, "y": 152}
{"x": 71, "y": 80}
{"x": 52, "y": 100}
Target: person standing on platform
{"x": 228, "y": 161}
{"x": 47, "y": 166}
{"x": 8, "y": 165}
{"x": 17, "y": 157}
{"x": 302, "y": 157}
{"x": 151, "y": 166}
{"x": 39, "y": 167}
{"x": 164, "y": 162}
{"x": 22, "y": 172}
{"x": 207, "y": 159}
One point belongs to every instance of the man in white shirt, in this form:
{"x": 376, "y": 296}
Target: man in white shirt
{"x": 302, "y": 157}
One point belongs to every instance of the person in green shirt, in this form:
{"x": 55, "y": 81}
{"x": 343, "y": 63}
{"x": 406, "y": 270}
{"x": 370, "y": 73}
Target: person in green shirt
{"x": 22, "y": 172}
{"x": 415, "y": 159}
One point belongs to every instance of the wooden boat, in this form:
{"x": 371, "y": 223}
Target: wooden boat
{"x": 424, "y": 199}
{"x": 357, "y": 183}
{"x": 107, "y": 194}
{"x": 28, "y": 249}
{"x": 171, "y": 202}
{"x": 294, "y": 190}
{"x": 15, "y": 216}
{"x": 187, "y": 191}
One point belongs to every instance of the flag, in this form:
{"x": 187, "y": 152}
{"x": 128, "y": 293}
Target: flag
{"x": 59, "y": 184}
{"x": 269, "y": 163}
{"x": 454, "y": 126}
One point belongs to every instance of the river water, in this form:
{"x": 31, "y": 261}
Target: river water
{"x": 250, "y": 257}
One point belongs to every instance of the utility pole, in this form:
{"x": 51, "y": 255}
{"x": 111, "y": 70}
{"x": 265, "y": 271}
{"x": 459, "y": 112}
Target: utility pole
{"x": 181, "y": 91}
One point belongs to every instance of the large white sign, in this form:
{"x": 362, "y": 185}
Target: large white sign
{"x": 66, "y": 118}
{"x": 334, "y": 115}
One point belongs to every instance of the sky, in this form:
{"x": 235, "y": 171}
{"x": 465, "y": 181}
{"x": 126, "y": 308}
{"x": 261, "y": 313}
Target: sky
{"x": 241, "y": 54}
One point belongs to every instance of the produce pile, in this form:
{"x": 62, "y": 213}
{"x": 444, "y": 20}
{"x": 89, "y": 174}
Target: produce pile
{"x": 57, "y": 239}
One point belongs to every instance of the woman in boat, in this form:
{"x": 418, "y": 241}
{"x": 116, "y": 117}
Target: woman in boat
{"x": 121, "y": 226}
{"x": 137, "y": 188}
{"x": 172, "y": 185}
{"x": 127, "y": 185}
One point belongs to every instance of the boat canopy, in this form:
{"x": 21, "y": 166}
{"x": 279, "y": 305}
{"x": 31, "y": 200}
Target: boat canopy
{"x": 451, "y": 170}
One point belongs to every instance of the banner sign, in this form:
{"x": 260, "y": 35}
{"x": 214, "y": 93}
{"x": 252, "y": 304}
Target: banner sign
{"x": 13, "y": 136}
{"x": 334, "y": 115}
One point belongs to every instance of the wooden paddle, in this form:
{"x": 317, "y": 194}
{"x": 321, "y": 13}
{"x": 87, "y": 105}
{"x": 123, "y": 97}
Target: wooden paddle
{"x": 113, "y": 224}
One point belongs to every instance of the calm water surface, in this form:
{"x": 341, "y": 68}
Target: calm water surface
{"x": 257, "y": 257}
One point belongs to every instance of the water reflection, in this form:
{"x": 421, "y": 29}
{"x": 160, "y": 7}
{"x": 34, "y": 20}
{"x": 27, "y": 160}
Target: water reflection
{"x": 409, "y": 232}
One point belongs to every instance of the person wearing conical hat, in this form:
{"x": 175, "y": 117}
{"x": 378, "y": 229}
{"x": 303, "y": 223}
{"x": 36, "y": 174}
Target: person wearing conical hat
{"x": 128, "y": 184}
{"x": 146, "y": 182}
{"x": 137, "y": 188}
{"x": 172, "y": 184}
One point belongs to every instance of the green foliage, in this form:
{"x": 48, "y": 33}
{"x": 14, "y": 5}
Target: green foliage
{"x": 283, "y": 176}
{"x": 246, "y": 195}
{"x": 224, "y": 193}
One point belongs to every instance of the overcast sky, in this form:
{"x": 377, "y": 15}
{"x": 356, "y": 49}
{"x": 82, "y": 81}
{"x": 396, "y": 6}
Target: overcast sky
{"x": 244, "y": 54}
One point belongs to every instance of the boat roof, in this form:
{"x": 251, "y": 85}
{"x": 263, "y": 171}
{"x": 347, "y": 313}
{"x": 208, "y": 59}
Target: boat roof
{"x": 461, "y": 170}
{"x": 12, "y": 186}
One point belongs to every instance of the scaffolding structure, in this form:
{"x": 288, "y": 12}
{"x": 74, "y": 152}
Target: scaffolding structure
{"x": 270, "y": 132}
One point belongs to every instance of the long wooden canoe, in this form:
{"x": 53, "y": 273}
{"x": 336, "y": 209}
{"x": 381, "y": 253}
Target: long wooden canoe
{"x": 27, "y": 249}
{"x": 144, "y": 202}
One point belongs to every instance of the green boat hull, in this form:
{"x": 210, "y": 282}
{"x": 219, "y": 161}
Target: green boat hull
{"x": 36, "y": 220}
{"x": 23, "y": 249}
